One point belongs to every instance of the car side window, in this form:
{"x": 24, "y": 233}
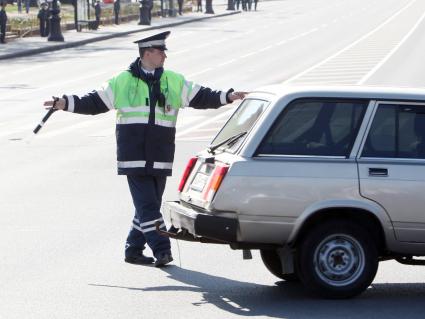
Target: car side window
{"x": 397, "y": 131}
{"x": 315, "y": 128}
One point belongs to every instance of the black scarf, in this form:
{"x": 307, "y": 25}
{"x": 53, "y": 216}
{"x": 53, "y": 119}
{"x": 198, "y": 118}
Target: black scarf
{"x": 153, "y": 81}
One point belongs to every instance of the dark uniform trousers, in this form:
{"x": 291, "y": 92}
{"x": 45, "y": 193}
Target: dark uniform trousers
{"x": 147, "y": 198}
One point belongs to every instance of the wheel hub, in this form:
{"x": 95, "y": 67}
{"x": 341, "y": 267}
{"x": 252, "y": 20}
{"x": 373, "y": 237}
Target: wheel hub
{"x": 339, "y": 259}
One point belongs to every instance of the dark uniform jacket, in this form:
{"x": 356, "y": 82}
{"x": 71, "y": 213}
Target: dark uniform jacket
{"x": 146, "y": 142}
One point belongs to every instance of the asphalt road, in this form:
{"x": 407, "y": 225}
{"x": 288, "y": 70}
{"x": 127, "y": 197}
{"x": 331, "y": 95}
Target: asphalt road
{"x": 64, "y": 213}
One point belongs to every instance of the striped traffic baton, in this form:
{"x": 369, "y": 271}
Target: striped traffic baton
{"x": 46, "y": 117}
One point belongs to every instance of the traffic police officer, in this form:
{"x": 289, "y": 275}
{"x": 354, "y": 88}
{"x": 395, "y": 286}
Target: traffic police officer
{"x": 147, "y": 100}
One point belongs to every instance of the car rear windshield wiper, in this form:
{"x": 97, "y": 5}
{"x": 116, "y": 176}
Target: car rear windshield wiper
{"x": 230, "y": 141}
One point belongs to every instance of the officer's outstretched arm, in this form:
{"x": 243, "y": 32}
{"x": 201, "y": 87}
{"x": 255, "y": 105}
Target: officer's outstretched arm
{"x": 91, "y": 104}
{"x": 206, "y": 98}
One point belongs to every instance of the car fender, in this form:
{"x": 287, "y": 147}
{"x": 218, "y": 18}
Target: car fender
{"x": 363, "y": 204}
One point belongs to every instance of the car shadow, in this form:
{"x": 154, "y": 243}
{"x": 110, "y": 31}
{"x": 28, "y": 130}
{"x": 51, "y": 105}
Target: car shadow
{"x": 289, "y": 300}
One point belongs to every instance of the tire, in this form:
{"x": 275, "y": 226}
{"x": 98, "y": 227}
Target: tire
{"x": 272, "y": 262}
{"x": 337, "y": 259}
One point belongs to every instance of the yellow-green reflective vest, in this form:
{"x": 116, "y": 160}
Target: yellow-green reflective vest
{"x": 145, "y": 133}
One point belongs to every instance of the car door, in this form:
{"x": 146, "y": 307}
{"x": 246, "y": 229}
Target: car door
{"x": 303, "y": 159}
{"x": 392, "y": 166}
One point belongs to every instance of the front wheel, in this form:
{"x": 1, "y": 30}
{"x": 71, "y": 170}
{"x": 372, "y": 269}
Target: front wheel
{"x": 337, "y": 259}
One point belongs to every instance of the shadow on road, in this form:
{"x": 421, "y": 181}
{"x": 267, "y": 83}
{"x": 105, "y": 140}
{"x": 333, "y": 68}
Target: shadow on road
{"x": 289, "y": 300}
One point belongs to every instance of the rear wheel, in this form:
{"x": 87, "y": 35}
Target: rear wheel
{"x": 272, "y": 262}
{"x": 337, "y": 259}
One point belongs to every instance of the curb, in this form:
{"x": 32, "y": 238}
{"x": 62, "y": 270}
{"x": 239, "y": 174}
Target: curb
{"x": 106, "y": 37}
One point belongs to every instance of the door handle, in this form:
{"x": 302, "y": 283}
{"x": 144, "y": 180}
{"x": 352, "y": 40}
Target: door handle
{"x": 374, "y": 171}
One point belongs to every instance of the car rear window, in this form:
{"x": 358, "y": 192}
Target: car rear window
{"x": 315, "y": 128}
{"x": 241, "y": 121}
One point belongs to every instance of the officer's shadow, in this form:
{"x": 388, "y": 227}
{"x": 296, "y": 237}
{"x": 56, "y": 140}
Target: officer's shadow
{"x": 289, "y": 300}
{"x": 238, "y": 297}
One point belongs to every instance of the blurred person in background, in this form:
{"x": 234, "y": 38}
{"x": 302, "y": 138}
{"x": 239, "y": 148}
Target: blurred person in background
{"x": 117, "y": 8}
{"x": 27, "y": 6}
{"x": 97, "y": 13}
{"x": 180, "y": 3}
{"x": 43, "y": 15}
{"x": 3, "y": 21}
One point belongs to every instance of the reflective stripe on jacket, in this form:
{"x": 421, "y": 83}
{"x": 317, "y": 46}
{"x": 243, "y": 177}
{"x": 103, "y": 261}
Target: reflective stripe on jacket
{"x": 145, "y": 132}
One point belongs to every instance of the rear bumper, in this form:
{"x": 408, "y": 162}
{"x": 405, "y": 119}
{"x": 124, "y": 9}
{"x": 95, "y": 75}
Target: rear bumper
{"x": 201, "y": 224}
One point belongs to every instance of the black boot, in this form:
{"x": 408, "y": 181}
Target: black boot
{"x": 163, "y": 259}
{"x": 139, "y": 259}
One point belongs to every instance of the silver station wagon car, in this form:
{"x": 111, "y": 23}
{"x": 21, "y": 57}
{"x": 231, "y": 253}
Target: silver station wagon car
{"x": 325, "y": 182}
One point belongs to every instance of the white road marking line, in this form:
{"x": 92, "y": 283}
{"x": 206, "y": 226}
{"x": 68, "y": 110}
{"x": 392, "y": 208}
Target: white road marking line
{"x": 280, "y": 43}
{"x": 351, "y": 77}
{"x": 298, "y": 36}
{"x": 391, "y": 53}
{"x": 249, "y": 54}
{"x": 55, "y": 84}
{"x": 220, "y": 41}
{"x": 350, "y": 45}
{"x": 200, "y": 72}
{"x": 31, "y": 69}
{"x": 228, "y": 62}
{"x": 19, "y": 126}
{"x": 294, "y": 37}
{"x": 105, "y": 119}
{"x": 266, "y": 48}
{"x": 77, "y": 127}
{"x": 310, "y": 31}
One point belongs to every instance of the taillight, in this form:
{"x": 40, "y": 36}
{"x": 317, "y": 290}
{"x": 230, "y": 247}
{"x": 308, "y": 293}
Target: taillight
{"x": 215, "y": 181}
{"x": 186, "y": 173}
